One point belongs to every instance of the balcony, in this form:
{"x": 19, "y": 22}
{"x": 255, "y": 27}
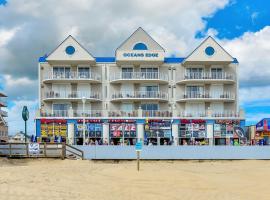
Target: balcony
{"x": 210, "y": 114}
{"x": 3, "y": 113}
{"x": 207, "y": 77}
{"x": 72, "y": 96}
{"x": 207, "y": 96}
{"x": 53, "y": 77}
{"x": 3, "y": 102}
{"x": 156, "y": 113}
{"x": 140, "y": 95}
{"x": 122, "y": 113}
{"x": 135, "y": 77}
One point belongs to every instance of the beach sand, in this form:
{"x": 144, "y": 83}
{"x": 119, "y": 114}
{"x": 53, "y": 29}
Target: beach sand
{"x": 76, "y": 179}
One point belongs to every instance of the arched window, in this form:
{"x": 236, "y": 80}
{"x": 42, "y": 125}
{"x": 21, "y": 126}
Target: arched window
{"x": 140, "y": 46}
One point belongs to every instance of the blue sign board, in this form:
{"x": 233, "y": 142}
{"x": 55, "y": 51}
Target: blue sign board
{"x": 138, "y": 146}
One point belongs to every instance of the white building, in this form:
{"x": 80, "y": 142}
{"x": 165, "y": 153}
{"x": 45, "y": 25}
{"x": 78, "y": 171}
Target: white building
{"x": 150, "y": 96}
{"x": 3, "y": 115}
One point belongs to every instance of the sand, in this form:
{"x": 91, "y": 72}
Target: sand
{"x": 77, "y": 179}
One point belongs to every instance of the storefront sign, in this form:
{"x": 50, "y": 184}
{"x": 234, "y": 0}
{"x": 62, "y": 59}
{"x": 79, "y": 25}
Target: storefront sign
{"x": 121, "y": 121}
{"x": 90, "y": 121}
{"x": 220, "y": 121}
{"x": 195, "y": 121}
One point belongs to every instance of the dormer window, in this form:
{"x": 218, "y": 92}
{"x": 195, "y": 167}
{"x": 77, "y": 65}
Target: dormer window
{"x": 140, "y": 46}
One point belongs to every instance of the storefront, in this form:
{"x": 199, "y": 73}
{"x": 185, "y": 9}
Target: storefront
{"x": 262, "y": 132}
{"x": 158, "y": 132}
{"x": 193, "y": 132}
{"x": 228, "y": 132}
{"x": 93, "y": 131}
{"x": 122, "y": 132}
{"x": 53, "y": 130}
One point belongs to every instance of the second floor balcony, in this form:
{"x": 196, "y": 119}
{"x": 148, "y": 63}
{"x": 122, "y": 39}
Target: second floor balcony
{"x": 206, "y": 77}
{"x": 206, "y": 96}
{"x": 71, "y": 96}
{"x": 140, "y": 95}
{"x": 134, "y": 77}
{"x": 72, "y": 77}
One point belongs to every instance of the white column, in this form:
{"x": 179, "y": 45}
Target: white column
{"x": 105, "y": 132}
{"x": 70, "y": 133}
{"x": 140, "y": 132}
{"x": 210, "y": 134}
{"x": 175, "y": 133}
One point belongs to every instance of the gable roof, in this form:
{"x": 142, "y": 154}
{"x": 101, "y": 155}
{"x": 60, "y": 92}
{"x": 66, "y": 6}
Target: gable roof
{"x": 140, "y": 29}
{"x": 91, "y": 57}
{"x": 209, "y": 38}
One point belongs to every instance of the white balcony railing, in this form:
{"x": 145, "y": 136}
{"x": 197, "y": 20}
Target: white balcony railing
{"x": 209, "y": 113}
{"x": 55, "y": 113}
{"x": 140, "y": 95}
{"x": 72, "y": 95}
{"x": 122, "y": 113}
{"x": 156, "y": 113}
{"x": 193, "y": 114}
{"x": 72, "y": 76}
{"x": 226, "y": 113}
{"x": 139, "y": 76}
{"x": 207, "y": 95}
{"x": 88, "y": 113}
{"x": 207, "y": 76}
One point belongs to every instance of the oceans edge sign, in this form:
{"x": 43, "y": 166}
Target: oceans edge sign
{"x": 140, "y": 55}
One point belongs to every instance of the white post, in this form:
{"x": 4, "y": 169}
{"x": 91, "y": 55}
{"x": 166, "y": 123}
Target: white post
{"x": 70, "y": 133}
{"x": 140, "y": 131}
{"x": 175, "y": 133}
{"x": 105, "y": 132}
{"x": 83, "y": 101}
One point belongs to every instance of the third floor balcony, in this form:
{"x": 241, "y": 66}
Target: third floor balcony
{"x": 137, "y": 77}
{"x": 206, "y": 77}
{"x": 52, "y": 77}
{"x": 140, "y": 95}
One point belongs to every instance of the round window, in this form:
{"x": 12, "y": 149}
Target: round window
{"x": 209, "y": 51}
{"x": 70, "y": 50}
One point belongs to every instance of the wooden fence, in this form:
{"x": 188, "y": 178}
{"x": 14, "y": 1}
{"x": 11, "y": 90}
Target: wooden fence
{"x": 39, "y": 150}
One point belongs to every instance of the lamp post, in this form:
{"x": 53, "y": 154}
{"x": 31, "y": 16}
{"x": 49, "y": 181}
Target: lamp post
{"x": 83, "y": 101}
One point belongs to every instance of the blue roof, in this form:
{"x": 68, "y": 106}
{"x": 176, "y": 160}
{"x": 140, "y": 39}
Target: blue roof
{"x": 173, "y": 60}
{"x": 42, "y": 58}
{"x": 235, "y": 60}
{"x": 105, "y": 59}
{"x": 112, "y": 59}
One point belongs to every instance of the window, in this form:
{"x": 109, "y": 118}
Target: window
{"x": 194, "y": 91}
{"x": 60, "y": 106}
{"x": 84, "y": 72}
{"x": 194, "y": 73}
{"x": 140, "y": 46}
{"x": 61, "y": 72}
{"x": 149, "y": 106}
{"x": 149, "y": 73}
{"x": 209, "y": 51}
{"x": 127, "y": 107}
{"x": 127, "y": 72}
{"x": 216, "y": 73}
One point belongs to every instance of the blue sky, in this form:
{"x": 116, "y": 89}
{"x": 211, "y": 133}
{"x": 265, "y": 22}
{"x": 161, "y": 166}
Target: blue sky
{"x": 27, "y": 31}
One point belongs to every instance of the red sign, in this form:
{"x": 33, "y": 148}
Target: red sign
{"x": 121, "y": 121}
{"x": 195, "y": 121}
{"x": 49, "y": 121}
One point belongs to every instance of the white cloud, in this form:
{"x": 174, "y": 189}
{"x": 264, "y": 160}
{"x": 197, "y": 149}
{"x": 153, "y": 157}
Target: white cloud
{"x": 7, "y": 35}
{"x": 252, "y": 94}
{"x": 252, "y": 51}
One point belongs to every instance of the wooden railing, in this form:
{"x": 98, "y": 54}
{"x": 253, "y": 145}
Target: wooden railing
{"x": 43, "y": 150}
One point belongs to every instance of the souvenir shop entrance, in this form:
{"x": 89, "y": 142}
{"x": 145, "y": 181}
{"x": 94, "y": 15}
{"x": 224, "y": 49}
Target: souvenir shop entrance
{"x": 93, "y": 132}
{"x": 122, "y": 132}
{"x": 53, "y": 130}
{"x": 225, "y": 134}
{"x": 158, "y": 132}
{"x": 193, "y": 132}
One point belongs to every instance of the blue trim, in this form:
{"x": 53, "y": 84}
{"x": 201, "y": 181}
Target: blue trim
{"x": 42, "y": 58}
{"x": 173, "y": 60}
{"x": 105, "y": 59}
{"x": 38, "y": 124}
{"x": 235, "y": 60}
